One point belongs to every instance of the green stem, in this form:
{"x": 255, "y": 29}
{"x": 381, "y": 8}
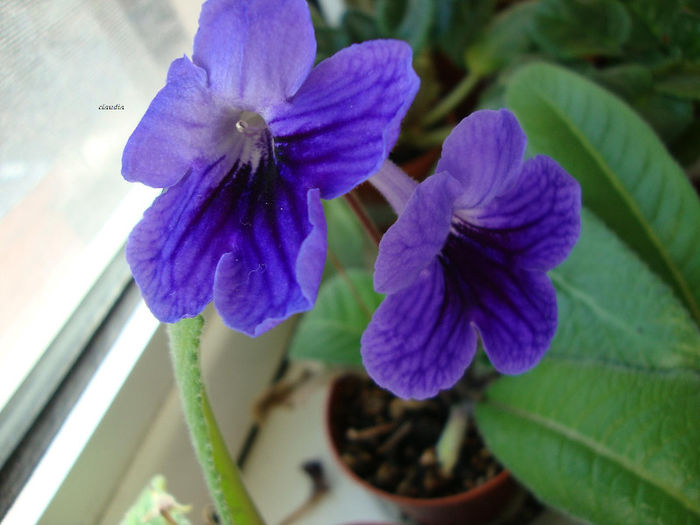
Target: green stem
{"x": 222, "y": 476}
{"x": 452, "y": 100}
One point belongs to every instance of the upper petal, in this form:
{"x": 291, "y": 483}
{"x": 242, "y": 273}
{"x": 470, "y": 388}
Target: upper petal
{"x": 419, "y": 340}
{"x": 256, "y": 52}
{"x": 275, "y": 268}
{"x": 484, "y": 151}
{"x": 535, "y": 224}
{"x": 183, "y": 125}
{"x": 174, "y": 250}
{"x": 340, "y": 126}
{"x": 413, "y": 242}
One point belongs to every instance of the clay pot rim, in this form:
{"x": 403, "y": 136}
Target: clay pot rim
{"x": 468, "y": 495}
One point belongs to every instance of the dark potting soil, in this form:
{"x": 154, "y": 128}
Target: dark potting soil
{"x": 390, "y": 442}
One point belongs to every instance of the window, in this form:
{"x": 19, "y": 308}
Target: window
{"x": 77, "y": 76}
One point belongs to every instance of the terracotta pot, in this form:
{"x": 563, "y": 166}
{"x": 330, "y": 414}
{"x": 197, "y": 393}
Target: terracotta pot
{"x": 480, "y": 505}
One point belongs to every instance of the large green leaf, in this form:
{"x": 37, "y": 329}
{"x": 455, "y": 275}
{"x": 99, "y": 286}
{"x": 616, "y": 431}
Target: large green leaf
{"x": 331, "y": 332}
{"x": 607, "y": 426}
{"x": 628, "y": 177}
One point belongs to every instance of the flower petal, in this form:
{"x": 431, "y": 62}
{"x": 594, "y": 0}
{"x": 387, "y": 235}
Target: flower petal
{"x": 517, "y": 325}
{"x": 174, "y": 250}
{"x": 419, "y": 340}
{"x": 485, "y": 153}
{"x": 340, "y": 126}
{"x": 256, "y": 53}
{"x": 538, "y": 221}
{"x": 418, "y": 235}
{"x": 275, "y": 269}
{"x": 515, "y": 310}
{"x": 182, "y": 127}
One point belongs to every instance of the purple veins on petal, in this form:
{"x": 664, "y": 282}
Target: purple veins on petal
{"x": 504, "y": 233}
{"x": 418, "y": 342}
{"x": 246, "y": 138}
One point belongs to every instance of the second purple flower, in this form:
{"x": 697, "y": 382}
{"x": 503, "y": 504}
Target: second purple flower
{"x": 469, "y": 254}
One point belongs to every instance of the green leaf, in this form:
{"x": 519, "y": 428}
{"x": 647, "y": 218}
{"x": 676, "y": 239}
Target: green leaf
{"x": 683, "y": 82}
{"x": 606, "y": 427}
{"x": 627, "y": 176}
{"x": 150, "y": 504}
{"x": 331, "y": 332}
{"x": 675, "y": 26}
{"x": 692, "y": 7}
{"x": 668, "y": 115}
{"x": 233, "y": 503}
{"x": 505, "y": 39}
{"x": 627, "y": 80}
{"x": 581, "y": 28}
{"x": 347, "y": 240}
{"x": 408, "y": 20}
{"x": 457, "y": 24}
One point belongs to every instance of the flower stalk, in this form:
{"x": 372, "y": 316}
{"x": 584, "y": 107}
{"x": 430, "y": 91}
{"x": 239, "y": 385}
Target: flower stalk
{"x": 231, "y": 498}
{"x": 367, "y": 225}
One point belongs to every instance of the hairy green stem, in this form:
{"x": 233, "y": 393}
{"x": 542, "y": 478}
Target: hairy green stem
{"x": 222, "y": 476}
{"x": 452, "y": 100}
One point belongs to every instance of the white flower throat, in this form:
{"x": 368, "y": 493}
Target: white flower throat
{"x": 253, "y": 140}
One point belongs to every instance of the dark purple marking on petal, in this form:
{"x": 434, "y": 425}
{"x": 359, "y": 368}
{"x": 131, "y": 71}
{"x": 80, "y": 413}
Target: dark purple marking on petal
{"x": 419, "y": 340}
{"x": 484, "y": 151}
{"x": 184, "y": 128}
{"x": 340, "y": 126}
{"x": 175, "y": 250}
{"x": 274, "y": 270}
{"x": 413, "y": 242}
{"x": 256, "y": 53}
{"x": 534, "y": 225}
{"x": 514, "y": 310}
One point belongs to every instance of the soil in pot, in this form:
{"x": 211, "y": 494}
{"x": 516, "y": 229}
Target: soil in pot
{"x": 390, "y": 443}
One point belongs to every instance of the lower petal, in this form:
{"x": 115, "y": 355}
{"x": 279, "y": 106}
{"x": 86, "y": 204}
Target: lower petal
{"x": 420, "y": 340}
{"x": 174, "y": 250}
{"x": 275, "y": 270}
{"x": 515, "y": 312}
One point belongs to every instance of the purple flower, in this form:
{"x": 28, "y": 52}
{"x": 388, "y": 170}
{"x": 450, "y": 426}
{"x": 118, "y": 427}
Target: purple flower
{"x": 469, "y": 253}
{"x": 246, "y": 138}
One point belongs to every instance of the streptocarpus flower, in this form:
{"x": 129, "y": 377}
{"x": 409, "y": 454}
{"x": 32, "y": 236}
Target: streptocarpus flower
{"x": 468, "y": 254}
{"x": 246, "y": 138}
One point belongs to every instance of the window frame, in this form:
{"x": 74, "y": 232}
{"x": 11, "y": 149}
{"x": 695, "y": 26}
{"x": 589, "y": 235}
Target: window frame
{"x": 36, "y": 411}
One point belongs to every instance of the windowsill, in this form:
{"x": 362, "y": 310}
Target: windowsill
{"x": 127, "y": 425}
